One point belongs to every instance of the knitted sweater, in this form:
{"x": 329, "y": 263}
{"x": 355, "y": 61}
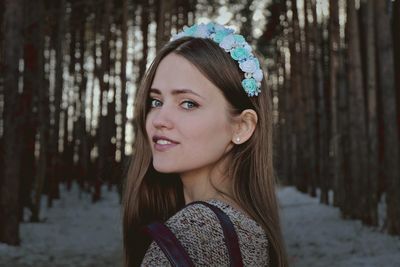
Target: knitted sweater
{"x": 200, "y": 233}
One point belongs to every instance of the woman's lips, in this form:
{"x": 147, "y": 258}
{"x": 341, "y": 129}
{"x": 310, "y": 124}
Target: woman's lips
{"x": 164, "y": 147}
{"x": 162, "y": 143}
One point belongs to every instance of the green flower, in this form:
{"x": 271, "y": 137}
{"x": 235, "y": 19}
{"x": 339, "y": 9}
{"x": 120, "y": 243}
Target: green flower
{"x": 250, "y": 86}
{"x": 191, "y": 30}
{"x": 239, "y": 53}
{"x": 239, "y": 39}
{"x": 219, "y": 35}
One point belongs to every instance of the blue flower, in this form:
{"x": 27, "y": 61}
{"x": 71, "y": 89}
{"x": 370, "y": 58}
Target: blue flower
{"x": 258, "y": 75}
{"x": 210, "y": 26}
{"x": 227, "y": 42}
{"x": 249, "y": 65}
{"x": 201, "y": 31}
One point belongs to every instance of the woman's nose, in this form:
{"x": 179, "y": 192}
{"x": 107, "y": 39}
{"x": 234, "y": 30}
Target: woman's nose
{"x": 162, "y": 118}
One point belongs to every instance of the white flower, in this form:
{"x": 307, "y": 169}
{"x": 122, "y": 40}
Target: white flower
{"x": 247, "y": 47}
{"x": 219, "y": 27}
{"x": 258, "y": 75}
{"x": 228, "y": 42}
{"x": 178, "y": 36}
{"x": 249, "y": 65}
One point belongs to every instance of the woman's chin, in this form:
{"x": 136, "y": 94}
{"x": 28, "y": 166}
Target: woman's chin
{"x": 162, "y": 168}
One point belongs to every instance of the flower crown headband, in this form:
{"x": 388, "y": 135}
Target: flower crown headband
{"x": 234, "y": 44}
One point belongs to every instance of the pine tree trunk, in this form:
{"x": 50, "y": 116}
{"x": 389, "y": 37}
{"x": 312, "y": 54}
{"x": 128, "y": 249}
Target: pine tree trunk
{"x": 2, "y": 8}
{"x": 396, "y": 51}
{"x": 124, "y": 95}
{"x": 296, "y": 87}
{"x": 29, "y": 104}
{"x": 286, "y": 107}
{"x": 385, "y": 59}
{"x": 344, "y": 177}
{"x": 43, "y": 114}
{"x": 282, "y": 135}
{"x": 111, "y": 114}
{"x": 334, "y": 43}
{"x": 321, "y": 164}
{"x": 104, "y": 84}
{"x": 309, "y": 99}
{"x": 144, "y": 28}
{"x": 370, "y": 201}
{"x": 9, "y": 189}
{"x": 163, "y": 32}
{"x": 247, "y": 26}
{"x": 54, "y": 156}
{"x": 358, "y": 131}
{"x": 84, "y": 149}
{"x": 311, "y": 126}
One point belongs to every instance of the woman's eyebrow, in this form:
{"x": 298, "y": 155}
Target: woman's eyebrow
{"x": 176, "y": 92}
{"x": 155, "y": 91}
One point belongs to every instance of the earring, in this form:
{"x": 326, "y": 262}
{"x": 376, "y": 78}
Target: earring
{"x": 238, "y": 139}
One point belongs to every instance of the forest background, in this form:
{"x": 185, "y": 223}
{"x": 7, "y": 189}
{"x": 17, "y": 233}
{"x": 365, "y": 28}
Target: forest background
{"x": 69, "y": 70}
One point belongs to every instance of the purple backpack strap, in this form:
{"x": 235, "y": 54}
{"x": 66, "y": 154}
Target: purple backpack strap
{"x": 169, "y": 244}
{"x": 231, "y": 238}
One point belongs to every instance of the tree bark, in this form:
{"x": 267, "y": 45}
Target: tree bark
{"x": 54, "y": 156}
{"x": 334, "y": 43}
{"x": 296, "y": 88}
{"x": 370, "y": 207}
{"x": 124, "y": 95}
{"x": 396, "y": 51}
{"x": 144, "y": 28}
{"x": 308, "y": 100}
{"x": 358, "y": 131}
{"x": 82, "y": 134}
{"x": 247, "y": 25}
{"x": 9, "y": 194}
{"x": 320, "y": 126}
{"x": 386, "y": 80}
{"x": 43, "y": 112}
{"x": 103, "y": 72}
{"x": 31, "y": 83}
{"x": 344, "y": 177}
{"x": 163, "y": 32}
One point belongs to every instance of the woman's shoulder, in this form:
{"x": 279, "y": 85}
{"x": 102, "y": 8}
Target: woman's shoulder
{"x": 194, "y": 216}
{"x": 198, "y": 215}
{"x": 198, "y": 229}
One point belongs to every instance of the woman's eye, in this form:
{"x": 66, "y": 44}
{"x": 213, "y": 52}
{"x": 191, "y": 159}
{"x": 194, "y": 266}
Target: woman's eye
{"x": 189, "y": 104}
{"x": 154, "y": 103}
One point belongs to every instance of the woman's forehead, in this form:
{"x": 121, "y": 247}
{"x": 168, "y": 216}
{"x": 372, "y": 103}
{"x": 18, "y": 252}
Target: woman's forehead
{"x": 176, "y": 75}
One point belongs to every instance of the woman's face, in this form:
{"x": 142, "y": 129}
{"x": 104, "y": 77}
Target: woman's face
{"x": 188, "y": 122}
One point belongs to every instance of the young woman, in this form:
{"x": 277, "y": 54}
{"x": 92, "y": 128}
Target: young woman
{"x": 203, "y": 132}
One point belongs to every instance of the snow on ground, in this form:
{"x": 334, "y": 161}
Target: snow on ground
{"x": 316, "y": 236}
{"x": 77, "y": 233}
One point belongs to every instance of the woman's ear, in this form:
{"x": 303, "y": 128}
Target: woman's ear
{"x": 245, "y": 124}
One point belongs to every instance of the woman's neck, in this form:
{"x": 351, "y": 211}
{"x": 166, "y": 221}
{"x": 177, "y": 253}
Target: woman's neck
{"x": 202, "y": 184}
{"x": 197, "y": 187}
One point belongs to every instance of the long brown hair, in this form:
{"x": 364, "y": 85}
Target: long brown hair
{"x": 150, "y": 195}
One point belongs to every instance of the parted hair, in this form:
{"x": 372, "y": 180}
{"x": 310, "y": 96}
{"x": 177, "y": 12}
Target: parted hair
{"x": 150, "y": 195}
